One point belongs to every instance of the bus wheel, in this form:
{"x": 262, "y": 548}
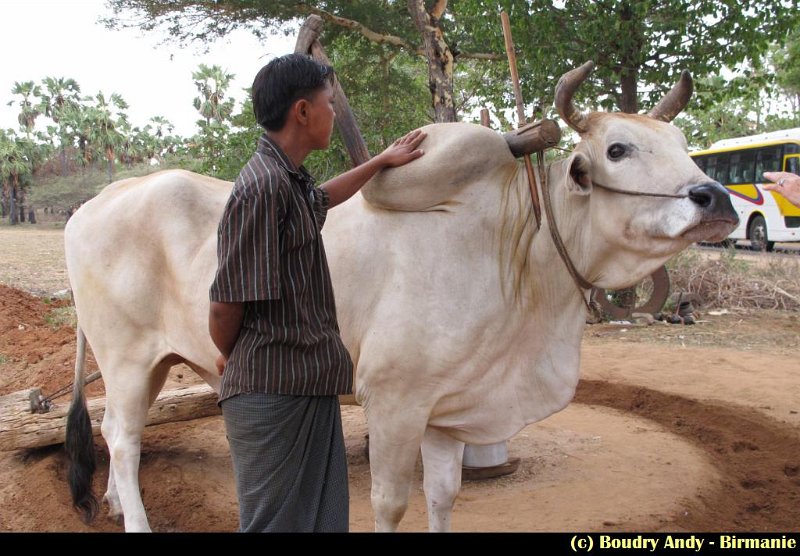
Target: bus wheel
{"x": 757, "y": 232}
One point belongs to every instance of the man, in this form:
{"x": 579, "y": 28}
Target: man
{"x": 272, "y": 309}
{"x": 786, "y": 183}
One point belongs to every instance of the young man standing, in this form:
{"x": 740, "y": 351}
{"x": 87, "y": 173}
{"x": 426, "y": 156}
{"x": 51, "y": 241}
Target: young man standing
{"x": 272, "y": 313}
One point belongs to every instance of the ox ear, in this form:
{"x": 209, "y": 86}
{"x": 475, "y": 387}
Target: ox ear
{"x": 578, "y": 178}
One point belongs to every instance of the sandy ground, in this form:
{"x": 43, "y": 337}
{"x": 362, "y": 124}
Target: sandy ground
{"x": 692, "y": 428}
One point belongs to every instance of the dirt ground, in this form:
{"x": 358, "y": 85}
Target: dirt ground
{"x": 673, "y": 428}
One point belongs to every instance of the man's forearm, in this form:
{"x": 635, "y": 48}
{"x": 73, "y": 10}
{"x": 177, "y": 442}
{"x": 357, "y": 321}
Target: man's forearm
{"x": 224, "y": 325}
{"x": 344, "y": 186}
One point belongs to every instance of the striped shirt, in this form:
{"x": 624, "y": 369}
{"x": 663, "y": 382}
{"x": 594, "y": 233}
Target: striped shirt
{"x": 271, "y": 257}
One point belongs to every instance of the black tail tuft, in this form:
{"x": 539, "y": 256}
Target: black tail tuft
{"x": 80, "y": 450}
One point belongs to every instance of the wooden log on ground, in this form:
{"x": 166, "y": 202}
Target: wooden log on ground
{"x": 533, "y": 137}
{"x": 19, "y": 428}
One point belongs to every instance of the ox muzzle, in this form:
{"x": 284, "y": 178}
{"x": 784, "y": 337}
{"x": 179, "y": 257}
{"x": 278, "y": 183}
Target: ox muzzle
{"x": 718, "y": 218}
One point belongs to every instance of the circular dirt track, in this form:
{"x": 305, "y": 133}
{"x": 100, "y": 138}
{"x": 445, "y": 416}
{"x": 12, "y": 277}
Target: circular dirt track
{"x": 672, "y": 428}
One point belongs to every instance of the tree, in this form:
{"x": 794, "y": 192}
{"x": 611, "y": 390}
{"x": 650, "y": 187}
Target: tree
{"x": 164, "y": 142}
{"x": 787, "y": 67}
{"x": 639, "y": 46}
{"x": 212, "y": 82}
{"x": 29, "y": 110}
{"x": 15, "y": 168}
{"x": 215, "y": 109}
{"x": 79, "y": 121}
{"x": 634, "y": 42}
{"x": 385, "y": 22}
{"x": 107, "y": 120}
{"x": 62, "y": 94}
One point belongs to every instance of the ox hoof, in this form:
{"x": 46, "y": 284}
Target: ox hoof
{"x": 482, "y": 473}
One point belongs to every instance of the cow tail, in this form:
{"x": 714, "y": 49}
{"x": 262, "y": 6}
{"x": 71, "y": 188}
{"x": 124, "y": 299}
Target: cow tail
{"x": 79, "y": 442}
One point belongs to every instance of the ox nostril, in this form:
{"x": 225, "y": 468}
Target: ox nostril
{"x": 702, "y": 195}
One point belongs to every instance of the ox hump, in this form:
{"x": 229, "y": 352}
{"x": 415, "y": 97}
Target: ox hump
{"x": 457, "y": 156}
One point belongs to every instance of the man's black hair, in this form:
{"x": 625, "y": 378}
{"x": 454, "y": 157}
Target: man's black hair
{"x": 283, "y": 81}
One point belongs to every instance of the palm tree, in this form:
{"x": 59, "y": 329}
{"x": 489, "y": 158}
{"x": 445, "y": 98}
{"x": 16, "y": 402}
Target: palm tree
{"x": 212, "y": 83}
{"x": 14, "y": 166}
{"x": 109, "y": 120}
{"x": 62, "y": 95}
{"x": 78, "y": 120}
{"x": 29, "y": 111}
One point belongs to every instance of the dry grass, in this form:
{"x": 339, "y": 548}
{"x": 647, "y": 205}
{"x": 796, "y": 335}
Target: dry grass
{"x": 729, "y": 281}
{"x": 32, "y": 259}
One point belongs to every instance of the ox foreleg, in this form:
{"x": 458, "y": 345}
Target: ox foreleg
{"x": 393, "y": 450}
{"x": 441, "y": 457}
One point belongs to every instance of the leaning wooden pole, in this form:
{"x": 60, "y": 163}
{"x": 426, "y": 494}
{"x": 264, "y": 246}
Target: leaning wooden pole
{"x": 521, "y": 120}
{"x": 308, "y": 43}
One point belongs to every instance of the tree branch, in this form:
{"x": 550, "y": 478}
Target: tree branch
{"x": 438, "y": 9}
{"x": 368, "y": 33}
{"x": 382, "y": 38}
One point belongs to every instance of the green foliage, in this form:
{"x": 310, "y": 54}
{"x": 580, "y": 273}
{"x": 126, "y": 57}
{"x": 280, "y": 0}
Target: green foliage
{"x": 787, "y": 69}
{"x": 745, "y": 104}
{"x": 631, "y": 41}
{"x": 240, "y": 144}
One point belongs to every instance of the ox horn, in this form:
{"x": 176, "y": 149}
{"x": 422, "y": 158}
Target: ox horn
{"x": 565, "y": 90}
{"x": 675, "y": 100}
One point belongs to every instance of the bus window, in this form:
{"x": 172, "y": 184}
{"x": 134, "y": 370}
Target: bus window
{"x": 717, "y": 168}
{"x": 793, "y": 165}
{"x": 701, "y": 162}
{"x": 768, "y": 160}
{"x": 742, "y": 167}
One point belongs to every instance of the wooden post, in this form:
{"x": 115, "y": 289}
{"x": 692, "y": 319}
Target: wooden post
{"x": 485, "y": 121}
{"x": 512, "y": 62}
{"x": 308, "y": 43}
{"x": 19, "y": 428}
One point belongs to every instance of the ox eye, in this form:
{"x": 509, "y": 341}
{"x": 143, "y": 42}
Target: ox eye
{"x": 617, "y": 151}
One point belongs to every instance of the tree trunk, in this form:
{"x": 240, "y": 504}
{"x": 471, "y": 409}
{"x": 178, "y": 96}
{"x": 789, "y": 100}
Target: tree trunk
{"x": 110, "y": 166}
{"x": 439, "y": 56}
{"x": 21, "y": 203}
{"x": 62, "y": 155}
{"x": 4, "y": 194}
{"x": 12, "y": 205}
{"x": 630, "y": 102}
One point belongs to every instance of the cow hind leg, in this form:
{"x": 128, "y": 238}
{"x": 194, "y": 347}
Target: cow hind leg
{"x": 441, "y": 458}
{"x": 111, "y": 496}
{"x": 111, "y": 428}
{"x": 128, "y": 397}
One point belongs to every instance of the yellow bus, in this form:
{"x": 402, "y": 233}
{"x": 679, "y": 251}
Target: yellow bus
{"x": 738, "y": 164}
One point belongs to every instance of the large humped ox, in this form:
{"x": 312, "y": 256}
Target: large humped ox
{"x": 461, "y": 318}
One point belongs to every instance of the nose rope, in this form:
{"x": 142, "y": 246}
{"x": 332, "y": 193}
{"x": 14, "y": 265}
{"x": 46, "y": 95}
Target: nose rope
{"x": 639, "y": 193}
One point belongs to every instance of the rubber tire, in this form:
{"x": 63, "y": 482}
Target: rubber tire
{"x": 757, "y": 234}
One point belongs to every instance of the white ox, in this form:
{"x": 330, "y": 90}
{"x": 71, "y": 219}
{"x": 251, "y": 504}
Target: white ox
{"x": 462, "y": 320}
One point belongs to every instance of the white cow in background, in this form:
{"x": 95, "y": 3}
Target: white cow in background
{"x": 462, "y": 320}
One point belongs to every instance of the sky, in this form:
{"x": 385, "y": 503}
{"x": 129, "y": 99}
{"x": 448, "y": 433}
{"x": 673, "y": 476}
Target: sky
{"x": 60, "y": 38}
